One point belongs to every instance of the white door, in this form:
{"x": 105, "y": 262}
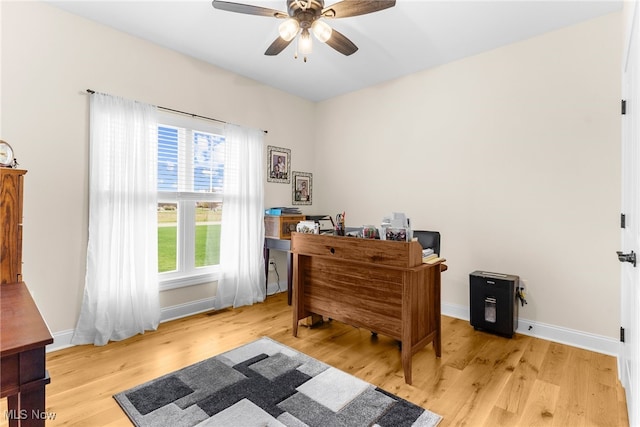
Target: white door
{"x": 630, "y": 275}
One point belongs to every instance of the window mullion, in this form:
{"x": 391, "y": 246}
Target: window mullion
{"x": 188, "y": 236}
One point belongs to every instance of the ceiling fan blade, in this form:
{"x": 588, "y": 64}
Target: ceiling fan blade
{"x": 341, "y": 43}
{"x": 277, "y": 46}
{"x": 248, "y": 9}
{"x": 346, "y": 8}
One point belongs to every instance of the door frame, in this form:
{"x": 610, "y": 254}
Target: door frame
{"x": 629, "y": 355}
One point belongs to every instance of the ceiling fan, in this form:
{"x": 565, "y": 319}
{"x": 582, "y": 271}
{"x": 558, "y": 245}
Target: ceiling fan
{"x": 304, "y": 17}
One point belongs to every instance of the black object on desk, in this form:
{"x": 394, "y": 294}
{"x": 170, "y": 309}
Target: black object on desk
{"x": 279, "y": 245}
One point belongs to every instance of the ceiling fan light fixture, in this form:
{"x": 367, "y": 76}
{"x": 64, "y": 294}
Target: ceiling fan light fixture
{"x": 321, "y": 30}
{"x": 306, "y": 16}
{"x": 304, "y": 42}
{"x": 288, "y": 29}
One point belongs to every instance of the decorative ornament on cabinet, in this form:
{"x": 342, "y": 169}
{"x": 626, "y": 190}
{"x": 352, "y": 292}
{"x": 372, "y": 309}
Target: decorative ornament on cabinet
{"x": 7, "y": 158}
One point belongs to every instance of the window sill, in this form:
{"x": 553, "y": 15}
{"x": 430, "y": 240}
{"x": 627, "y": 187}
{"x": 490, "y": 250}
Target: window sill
{"x": 182, "y": 282}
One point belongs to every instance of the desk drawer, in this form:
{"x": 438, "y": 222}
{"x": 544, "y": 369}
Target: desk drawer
{"x": 379, "y": 252}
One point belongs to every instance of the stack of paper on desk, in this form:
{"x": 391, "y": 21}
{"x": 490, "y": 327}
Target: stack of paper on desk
{"x": 430, "y": 257}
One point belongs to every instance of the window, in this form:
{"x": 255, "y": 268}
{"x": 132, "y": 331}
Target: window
{"x": 190, "y": 184}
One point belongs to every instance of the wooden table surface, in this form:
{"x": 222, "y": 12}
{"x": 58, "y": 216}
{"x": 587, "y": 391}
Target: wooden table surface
{"x": 23, "y": 338}
{"x": 21, "y": 325}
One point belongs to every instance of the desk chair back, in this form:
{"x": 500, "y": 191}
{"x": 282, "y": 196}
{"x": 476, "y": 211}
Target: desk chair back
{"x": 428, "y": 239}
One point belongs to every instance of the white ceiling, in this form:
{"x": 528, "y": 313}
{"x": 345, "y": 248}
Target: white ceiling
{"x": 412, "y": 36}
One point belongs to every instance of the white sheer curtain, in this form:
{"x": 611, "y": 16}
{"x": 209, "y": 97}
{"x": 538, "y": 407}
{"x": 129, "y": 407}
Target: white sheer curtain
{"x": 242, "y": 278}
{"x": 121, "y": 285}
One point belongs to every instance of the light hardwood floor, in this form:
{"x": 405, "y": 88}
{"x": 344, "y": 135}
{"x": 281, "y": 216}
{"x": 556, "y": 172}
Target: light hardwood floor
{"x": 481, "y": 379}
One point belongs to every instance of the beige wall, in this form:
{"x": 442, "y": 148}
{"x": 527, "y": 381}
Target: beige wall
{"x": 513, "y": 154}
{"x": 49, "y": 58}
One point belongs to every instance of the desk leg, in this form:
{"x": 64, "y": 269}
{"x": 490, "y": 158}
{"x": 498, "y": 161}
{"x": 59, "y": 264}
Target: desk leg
{"x": 32, "y": 404}
{"x": 265, "y": 251}
{"x": 13, "y": 413}
{"x": 437, "y": 341}
{"x": 296, "y": 296}
{"x": 289, "y": 276}
{"x": 406, "y": 362}
{"x": 33, "y": 379}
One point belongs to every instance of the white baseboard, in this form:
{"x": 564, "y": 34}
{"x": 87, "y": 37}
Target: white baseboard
{"x": 572, "y": 337}
{"x": 62, "y": 340}
{"x": 183, "y": 310}
{"x": 532, "y": 328}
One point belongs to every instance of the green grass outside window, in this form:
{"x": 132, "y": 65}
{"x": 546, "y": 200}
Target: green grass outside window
{"x": 168, "y": 247}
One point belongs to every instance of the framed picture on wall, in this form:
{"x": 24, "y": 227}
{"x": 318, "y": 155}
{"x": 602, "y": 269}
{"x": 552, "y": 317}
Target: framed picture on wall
{"x": 278, "y": 164}
{"x": 302, "y": 188}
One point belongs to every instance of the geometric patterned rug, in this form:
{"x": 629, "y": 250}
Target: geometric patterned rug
{"x": 265, "y": 383}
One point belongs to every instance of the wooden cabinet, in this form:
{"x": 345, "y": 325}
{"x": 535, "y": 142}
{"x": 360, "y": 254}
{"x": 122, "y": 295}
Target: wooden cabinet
{"x": 11, "y": 188}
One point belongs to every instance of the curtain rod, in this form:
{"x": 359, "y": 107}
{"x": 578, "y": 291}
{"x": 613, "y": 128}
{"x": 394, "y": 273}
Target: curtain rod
{"x": 91, "y": 91}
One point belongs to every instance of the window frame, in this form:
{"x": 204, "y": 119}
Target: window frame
{"x": 187, "y": 273}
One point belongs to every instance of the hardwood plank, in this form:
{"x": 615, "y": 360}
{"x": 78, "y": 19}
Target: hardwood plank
{"x": 555, "y": 362}
{"x": 601, "y": 393}
{"x": 517, "y": 390}
{"x": 600, "y": 398}
{"x": 572, "y": 402}
{"x": 500, "y": 417}
{"x": 476, "y": 382}
{"x": 604, "y": 369}
{"x": 461, "y": 343}
{"x": 477, "y": 390}
{"x": 540, "y": 407}
{"x": 623, "y": 419}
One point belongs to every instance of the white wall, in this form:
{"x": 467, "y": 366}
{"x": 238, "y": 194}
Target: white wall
{"x": 513, "y": 155}
{"x": 49, "y": 59}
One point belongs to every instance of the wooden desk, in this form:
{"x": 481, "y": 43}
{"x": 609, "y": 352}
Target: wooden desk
{"x": 379, "y": 285}
{"x": 279, "y": 245}
{"x": 23, "y": 338}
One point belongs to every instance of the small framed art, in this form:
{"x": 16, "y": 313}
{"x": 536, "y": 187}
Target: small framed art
{"x": 278, "y": 164}
{"x": 302, "y": 188}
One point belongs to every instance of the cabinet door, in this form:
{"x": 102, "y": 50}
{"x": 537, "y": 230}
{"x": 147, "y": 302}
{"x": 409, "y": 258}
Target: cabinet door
{"x": 11, "y": 235}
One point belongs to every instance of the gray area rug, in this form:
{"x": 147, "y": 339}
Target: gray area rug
{"x": 265, "y": 383}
